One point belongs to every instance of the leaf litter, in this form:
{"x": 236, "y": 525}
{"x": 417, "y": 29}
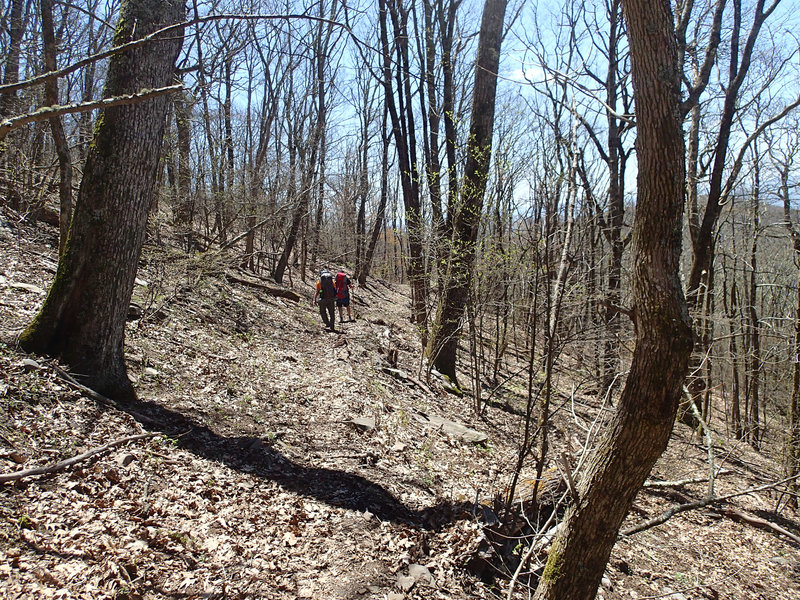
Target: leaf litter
{"x": 288, "y": 463}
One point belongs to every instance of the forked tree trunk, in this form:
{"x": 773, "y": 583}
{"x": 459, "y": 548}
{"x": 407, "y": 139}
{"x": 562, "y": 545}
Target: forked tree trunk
{"x": 83, "y": 317}
{"x": 641, "y": 427}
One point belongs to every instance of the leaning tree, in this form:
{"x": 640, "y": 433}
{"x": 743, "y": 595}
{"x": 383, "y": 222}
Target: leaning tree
{"x": 647, "y": 407}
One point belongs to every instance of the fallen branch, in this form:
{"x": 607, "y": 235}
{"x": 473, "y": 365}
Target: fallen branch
{"x": 682, "y": 482}
{"x": 72, "y": 382}
{"x": 738, "y": 515}
{"x": 272, "y": 291}
{"x": 245, "y": 233}
{"x": 420, "y": 385}
{"x": 64, "y": 464}
{"x": 668, "y": 514}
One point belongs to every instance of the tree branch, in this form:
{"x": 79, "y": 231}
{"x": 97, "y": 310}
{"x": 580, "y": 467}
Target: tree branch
{"x": 48, "y": 112}
{"x": 12, "y": 87}
{"x": 666, "y": 515}
{"x": 61, "y": 465}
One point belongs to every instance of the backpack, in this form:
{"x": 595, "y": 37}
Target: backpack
{"x": 341, "y": 285}
{"x": 328, "y": 290}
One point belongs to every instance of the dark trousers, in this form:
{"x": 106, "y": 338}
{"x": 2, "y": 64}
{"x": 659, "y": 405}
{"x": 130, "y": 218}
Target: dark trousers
{"x": 327, "y": 310}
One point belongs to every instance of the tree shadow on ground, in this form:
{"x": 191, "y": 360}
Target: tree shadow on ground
{"x": 253, "y": 456}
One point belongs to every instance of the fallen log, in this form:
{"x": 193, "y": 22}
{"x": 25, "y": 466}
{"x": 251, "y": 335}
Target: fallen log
{"x": 272, "y": 291}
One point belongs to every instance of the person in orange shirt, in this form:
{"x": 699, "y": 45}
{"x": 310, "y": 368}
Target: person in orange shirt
{"x": 325, "y": 298}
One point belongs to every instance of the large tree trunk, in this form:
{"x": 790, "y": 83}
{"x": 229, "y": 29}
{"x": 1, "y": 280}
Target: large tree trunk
{"x": 643, "y": 422}
{"x": 83, "y": 317}
{"x": 443, "y": 344}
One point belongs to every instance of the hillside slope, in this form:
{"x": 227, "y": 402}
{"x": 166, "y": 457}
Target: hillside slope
{"x": 284, "y": 462}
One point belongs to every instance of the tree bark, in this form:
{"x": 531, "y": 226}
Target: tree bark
{"x": 443, "y": 344}
{"x": 57, "y": 127}
{"x": 83, "y": 317}
{"x": 641, "y": 427}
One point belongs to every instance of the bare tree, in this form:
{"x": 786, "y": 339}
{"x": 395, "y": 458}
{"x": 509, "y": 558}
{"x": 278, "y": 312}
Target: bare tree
{"x": 443, "y": 343}
{"x": 640, "y": 429}
{"x": 83, "y": 317}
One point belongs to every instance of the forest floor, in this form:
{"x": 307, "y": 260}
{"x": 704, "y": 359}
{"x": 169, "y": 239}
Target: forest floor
{"x": 284, "y": 462}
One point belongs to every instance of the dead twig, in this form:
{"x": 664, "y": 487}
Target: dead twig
{"x": 568, "y": 477}
{"x": 668, "y": 514}
{"x": 64, "y": 464}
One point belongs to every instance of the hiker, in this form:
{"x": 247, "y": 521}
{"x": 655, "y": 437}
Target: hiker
{"x": 343, "y": 295}
{"x": 326, "y": 292}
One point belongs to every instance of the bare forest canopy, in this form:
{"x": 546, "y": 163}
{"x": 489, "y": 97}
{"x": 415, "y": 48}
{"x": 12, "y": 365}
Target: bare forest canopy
{"x": 568, "y": 223}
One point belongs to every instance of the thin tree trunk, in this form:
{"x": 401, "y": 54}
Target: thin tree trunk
{"x": 184, "y": 210}
{"x": 59, "y": 138}
{"x": 403, "y": 130}
{"x": 753, "y": 325}
{"x": 11, "y": 66}
{"x": 443, "y": 344}
{"x": 380, "y": 217}
{"x": 701, "y": 273}
{"x": 785, "y": 168}
{"x": 731, "y": 308}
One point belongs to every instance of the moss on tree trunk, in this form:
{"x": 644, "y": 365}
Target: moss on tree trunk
{"x": 83, "y": 317}
{"x": 646, "y": 412}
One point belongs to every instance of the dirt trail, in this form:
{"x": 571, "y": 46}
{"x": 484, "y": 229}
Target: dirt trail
{"x": 292, "y": 463}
